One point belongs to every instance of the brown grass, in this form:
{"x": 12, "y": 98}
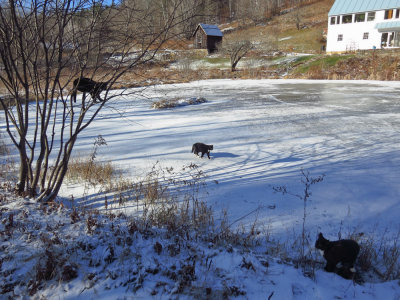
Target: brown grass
{"x": 380, "y": 254}
{"x": 3, "y": 146}
{"x": 171, "y": 103}
{"x": 7, "y": 163}
{"x": 96, "y": 173}
{"x": 166, "y": 200}
{"x": 314, "y": 20}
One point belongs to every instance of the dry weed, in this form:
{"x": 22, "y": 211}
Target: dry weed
{"x": 88, "y": 170}
{"x": 7, "y": 163}
{"x": 380, "y": 254}
{"x": 95, "y": 173}
{"x": 171, "y": 103}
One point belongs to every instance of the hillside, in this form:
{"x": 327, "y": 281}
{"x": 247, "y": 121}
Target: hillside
{"x": 309, "y": 39}
{"x": 281, "y": 51}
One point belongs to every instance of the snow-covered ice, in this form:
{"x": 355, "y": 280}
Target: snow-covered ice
{"x": 264, "y": 133}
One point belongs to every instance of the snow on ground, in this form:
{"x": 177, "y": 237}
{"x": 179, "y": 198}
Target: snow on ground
{"x": 264, "y": 133}
{"x": 244, "y": 63}
{"x": 51, "y": 253}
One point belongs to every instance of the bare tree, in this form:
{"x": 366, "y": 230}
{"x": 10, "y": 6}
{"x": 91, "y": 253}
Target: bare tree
{"x": 270, "y": 41}
{"x": 236, "y": 46}
{"x": 44, "y": 46}
{"x": 299, "y": 17}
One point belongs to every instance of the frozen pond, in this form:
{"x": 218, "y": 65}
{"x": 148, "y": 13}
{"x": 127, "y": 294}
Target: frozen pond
{"x": 264, "y": 133}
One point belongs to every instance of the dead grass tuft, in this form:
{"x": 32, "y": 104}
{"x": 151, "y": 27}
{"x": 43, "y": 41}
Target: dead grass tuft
{"x": 380, "y": 254}
{"x": 3, "y": 147}
{"x": 90, "y": 171}
{"x": 171, "y": 103}
{"x": 7, "y": 163}
{"x": 95, "y": 173}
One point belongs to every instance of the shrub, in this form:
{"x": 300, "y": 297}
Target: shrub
{"x": 89, "y": 170}
{"x": 380, "y": 254}
{"x": 7, "y": 163}
{"x": 171, "y": 103}
{"x": 3, "y": 146}
{"x": 85, "y": 169}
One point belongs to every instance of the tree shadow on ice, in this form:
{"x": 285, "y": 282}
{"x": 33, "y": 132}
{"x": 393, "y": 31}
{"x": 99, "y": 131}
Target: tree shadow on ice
{"x": 223, "y": 155}
{"x": 286, "y": 160}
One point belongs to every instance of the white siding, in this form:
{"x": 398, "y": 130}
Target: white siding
{"x": 353, "y": 34}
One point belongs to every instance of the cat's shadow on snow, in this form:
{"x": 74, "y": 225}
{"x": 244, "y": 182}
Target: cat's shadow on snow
{"x": 223, "y": 155}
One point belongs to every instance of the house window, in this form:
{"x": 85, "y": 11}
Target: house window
{"x": 347, "y": 19}
{"x": 371, "y": 16}
{"x": 340, "y": 37}
{"x": 365, "y": 35}
{"x": 333, "y": 20}
{"x": 360, "y": 17}
{"x": 397, "y": 13}
{"x": 388, "y": 14}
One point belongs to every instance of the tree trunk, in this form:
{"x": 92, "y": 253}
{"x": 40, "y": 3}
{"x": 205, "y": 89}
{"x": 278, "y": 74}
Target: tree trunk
{"x": 233, "y": 68}
{"x": 23, "y": 169}
{"x": 44, "y": 47}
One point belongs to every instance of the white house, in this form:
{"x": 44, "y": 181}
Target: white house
{"x": 363, "y": 24}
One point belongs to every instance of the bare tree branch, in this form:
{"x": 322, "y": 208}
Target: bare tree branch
{"x": 45, "y": 45}
{"x": 236, "y": 46}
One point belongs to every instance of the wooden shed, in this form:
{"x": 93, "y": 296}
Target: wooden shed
{"x": 207, "y": 37}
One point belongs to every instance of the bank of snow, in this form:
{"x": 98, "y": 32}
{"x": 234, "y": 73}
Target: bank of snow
{"x": 51, "y": 252}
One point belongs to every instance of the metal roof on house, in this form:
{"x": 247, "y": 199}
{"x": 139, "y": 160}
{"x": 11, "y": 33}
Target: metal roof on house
{"x": 388, "y": 26}
{"x": 212, "y": 30}
{"x": 341, "y": 7}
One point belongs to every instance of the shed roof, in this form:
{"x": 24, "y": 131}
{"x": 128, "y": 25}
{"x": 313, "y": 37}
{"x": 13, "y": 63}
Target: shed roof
{"x": 212, "y": 30}
{"x": 388, "y": 26}
{"x": 341, "y": 7}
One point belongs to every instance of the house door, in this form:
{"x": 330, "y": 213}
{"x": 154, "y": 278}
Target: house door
{"x": 199, "y": 40}
{"x": 384, "y": 39}
{"x": 396, "y": 40}
{"x": 390, "y": 39}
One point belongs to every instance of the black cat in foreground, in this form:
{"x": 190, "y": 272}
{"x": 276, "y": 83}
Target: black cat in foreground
{"x": 342, "y": 251}
{"x": 203, "y": 148}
